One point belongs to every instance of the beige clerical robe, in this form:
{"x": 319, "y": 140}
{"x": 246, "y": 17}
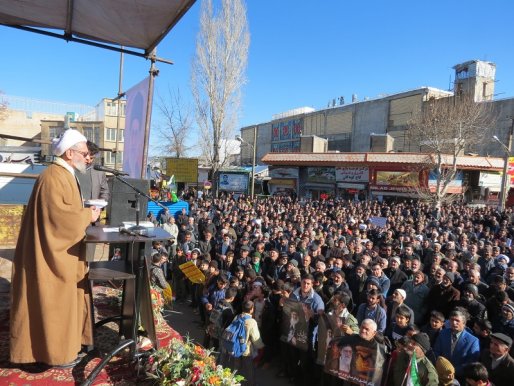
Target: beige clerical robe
{"x": 50, "y": 298}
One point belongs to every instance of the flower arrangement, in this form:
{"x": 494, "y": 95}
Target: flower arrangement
{"x": 185, "y": 364}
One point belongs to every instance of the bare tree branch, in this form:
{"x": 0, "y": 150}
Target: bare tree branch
{"x": 178, "y": 123}
{"x": 218, "y": 75}
{"x": 447, "y": 128}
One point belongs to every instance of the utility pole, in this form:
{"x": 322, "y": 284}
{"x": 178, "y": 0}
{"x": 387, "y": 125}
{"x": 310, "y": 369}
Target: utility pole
{"x": 505, "y": 187}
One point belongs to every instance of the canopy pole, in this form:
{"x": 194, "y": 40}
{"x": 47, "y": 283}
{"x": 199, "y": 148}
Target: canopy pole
{"x": 153, "y": 73}
{"x": 118, "y": 117}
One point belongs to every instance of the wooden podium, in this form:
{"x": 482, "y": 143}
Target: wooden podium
{"x": 134, "y": 271}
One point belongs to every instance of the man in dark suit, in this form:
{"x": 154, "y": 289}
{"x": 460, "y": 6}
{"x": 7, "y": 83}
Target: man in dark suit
{"x": 456, "y": 344}
{"x": 93, "y": 184}
{"x": 497, "y": 360}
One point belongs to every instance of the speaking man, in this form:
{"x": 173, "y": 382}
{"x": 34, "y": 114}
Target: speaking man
{"x": 50, "y": 314}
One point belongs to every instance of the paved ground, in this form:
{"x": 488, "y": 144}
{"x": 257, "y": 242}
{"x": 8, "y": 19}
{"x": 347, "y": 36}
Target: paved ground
{"x": 183, "y": 320}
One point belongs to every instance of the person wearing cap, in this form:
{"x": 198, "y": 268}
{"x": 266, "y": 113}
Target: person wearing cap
{"x": 497, "y": 359}
{"x": 468, "y": 300}
{"x": 445, "y": 372}
{"x": 49, "y": 268}
{"x": 443, "y": 297}
{"x": 256, "y": 262}
{"x": 244, "y": 256}
{"x": 396, "y": 276}
{"x": 457, "y": 344}
{"x": 397, "y": 299}
{"x": 505, "y": 322}
{"x": 269, "y": 267}
{"x": 418, "y": 344}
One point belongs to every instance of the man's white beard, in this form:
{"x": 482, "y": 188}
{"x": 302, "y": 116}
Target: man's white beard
{"x": 80, "y": 167}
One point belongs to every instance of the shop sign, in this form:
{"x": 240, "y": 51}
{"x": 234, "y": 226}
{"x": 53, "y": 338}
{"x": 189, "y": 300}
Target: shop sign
{"x": 323, "y": 175}
{"x": 283, "y": 172}
{"x": 352, "y": 174}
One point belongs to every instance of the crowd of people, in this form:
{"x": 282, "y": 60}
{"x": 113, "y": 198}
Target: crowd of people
{"x": 436, "y": 283}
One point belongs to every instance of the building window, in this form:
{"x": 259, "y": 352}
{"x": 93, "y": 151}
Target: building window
{"x": 110, "y": 135}
{"x": 89, "y": 133}
{"x": 54, "y": 131}
{"x": 110, "y": 158}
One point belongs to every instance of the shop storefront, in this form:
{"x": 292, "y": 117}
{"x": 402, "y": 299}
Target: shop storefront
{"x": 283, "y": 182}
{"x": 387, "y": 183}
{"x": 352, "y": 182}
{"x": 320, "y": 183}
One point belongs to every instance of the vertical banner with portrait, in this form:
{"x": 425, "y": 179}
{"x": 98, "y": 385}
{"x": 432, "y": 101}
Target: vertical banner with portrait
{"x": 356, "y": 360}
{"x": 329, "y": 327}
{"x": 134, "y": 135}
{"x": 295, "y": 325}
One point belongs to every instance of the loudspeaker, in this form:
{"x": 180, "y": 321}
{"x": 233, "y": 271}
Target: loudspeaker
{"x": 120, "y": 208}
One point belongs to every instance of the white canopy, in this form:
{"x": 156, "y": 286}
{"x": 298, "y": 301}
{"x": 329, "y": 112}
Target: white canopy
{"x": 140, "y": 24}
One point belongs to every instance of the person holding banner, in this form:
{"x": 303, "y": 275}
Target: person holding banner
{"x": 412, "y": 363}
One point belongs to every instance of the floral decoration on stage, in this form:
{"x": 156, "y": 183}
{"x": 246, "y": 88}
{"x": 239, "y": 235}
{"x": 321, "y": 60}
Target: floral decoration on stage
{"x": 184, "y": 363}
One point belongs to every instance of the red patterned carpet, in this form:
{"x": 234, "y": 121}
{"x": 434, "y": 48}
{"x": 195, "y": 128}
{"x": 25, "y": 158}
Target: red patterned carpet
{"x": 119, "y": 371}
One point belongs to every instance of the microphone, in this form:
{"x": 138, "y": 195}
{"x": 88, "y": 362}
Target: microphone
{"x": 109, "y": 170}
{"x": 127, "y": 232}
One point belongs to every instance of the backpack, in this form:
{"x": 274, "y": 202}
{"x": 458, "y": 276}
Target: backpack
{"x": 215, "y": 328}
{"x": 234, "y": 337}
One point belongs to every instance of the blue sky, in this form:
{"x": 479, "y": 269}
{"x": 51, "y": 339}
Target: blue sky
{"x": 302, "y": 53}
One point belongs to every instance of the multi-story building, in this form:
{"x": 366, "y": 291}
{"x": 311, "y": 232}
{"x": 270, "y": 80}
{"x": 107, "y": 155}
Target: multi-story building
{"x": 100, "y": 124}
{"x": 351, "y": 127}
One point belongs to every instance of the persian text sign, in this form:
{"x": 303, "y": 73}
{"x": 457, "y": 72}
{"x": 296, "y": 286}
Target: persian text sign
{"x": 352, "y": 174}
{"x": 184, "y": 169}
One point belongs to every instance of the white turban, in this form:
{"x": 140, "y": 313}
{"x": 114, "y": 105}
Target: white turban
{"x": 68, "y": 139}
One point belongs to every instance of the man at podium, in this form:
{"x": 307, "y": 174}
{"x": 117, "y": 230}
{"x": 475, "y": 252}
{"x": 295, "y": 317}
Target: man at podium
{"x": 50, "y": 300}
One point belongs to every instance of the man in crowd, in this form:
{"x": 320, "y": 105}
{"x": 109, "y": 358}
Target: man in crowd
{"x": 457, "y": 344}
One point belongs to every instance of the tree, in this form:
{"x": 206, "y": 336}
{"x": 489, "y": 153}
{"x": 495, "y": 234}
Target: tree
{"x": 178, "y": 123}
{"x": 218, "y": 74}
{"x": 3, "y": 107}
{"x": 446, "y": 129}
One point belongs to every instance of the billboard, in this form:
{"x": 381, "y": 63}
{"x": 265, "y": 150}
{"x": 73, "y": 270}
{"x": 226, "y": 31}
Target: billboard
{"x": 184, "y": 169}
{"x": 454, "y": 187}
{"x": 397, "y": 178}
{"x": 233, "y": 182}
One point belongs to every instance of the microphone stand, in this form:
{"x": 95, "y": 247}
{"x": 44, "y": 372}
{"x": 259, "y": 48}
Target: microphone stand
{"x": 138, "y": 229}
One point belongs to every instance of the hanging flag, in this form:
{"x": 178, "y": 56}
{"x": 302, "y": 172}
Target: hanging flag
{"x": 412, "y": 372}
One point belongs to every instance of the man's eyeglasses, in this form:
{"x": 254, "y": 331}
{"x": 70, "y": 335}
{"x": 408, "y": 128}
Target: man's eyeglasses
{"x": 84, "y": 154}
